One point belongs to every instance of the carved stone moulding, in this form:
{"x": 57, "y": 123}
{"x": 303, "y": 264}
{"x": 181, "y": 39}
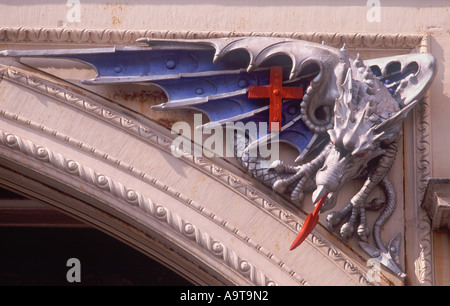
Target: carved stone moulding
{"x": 109, "y": 36}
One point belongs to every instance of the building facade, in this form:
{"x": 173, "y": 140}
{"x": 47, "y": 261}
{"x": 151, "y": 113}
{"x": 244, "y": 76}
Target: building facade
{"x": 102, "y": 155}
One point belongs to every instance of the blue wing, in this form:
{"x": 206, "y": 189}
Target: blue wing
{"x": 193, "y": 78}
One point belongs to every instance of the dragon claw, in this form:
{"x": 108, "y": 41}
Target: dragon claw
{"x": 278, "y": 166}
{"x": 347, "y": 230}
{"x": 295, "y": 176}
{"x": 363, "y": 232}
{"x": 333, "y": 219}
{"x": 280, "y": 186}
{"x": 375, "y": 204}
{"x": 297, "y": 198}
{"x": 281, "y": 167}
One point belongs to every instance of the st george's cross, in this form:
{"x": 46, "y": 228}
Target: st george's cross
{"x": 276, "y": 93}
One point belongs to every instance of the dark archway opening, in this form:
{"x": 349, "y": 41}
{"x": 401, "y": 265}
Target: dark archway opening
{"x": 32, "y": 253}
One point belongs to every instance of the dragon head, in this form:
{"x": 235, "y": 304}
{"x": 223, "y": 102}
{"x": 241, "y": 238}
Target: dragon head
{"x": 367, "y": 118}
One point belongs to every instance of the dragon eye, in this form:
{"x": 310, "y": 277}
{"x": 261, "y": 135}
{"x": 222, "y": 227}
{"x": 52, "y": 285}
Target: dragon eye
{"x": 362, "y": 154}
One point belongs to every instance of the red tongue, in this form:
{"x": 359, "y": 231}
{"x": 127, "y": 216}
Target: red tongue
{"x": 311, "y": 221}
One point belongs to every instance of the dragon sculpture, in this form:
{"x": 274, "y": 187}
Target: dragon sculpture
{"x": 346, "y": 125}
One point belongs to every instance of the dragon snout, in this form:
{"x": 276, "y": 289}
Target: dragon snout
{"x": 330, "y": 197}
{"x": 328, "y": 179}
{"x": 319, "y": 193}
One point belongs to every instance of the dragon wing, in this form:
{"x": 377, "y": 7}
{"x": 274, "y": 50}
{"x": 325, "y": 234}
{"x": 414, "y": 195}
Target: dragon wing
{"x": 213, "y": 76}
{"x": 406, "y": 76}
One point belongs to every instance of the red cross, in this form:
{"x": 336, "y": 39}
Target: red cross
{"x": 276, "y": 92}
